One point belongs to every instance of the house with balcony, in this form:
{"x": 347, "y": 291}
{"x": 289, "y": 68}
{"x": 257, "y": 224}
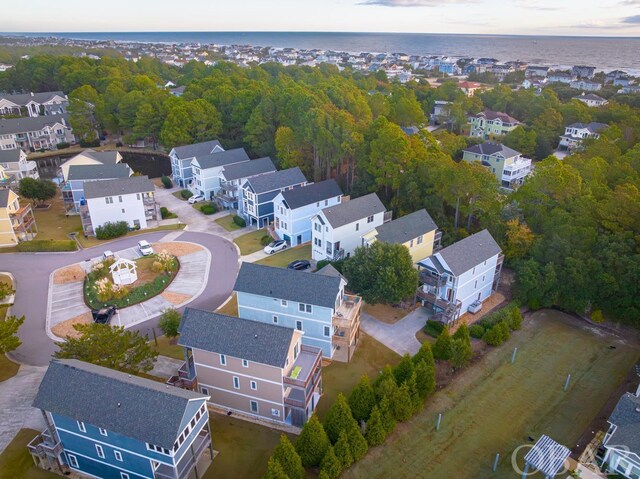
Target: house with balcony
{"x": 508, "y": 165}
{"x": 257, "y": 194}
{"x": 622, "y": 441}
{"x": 207, "y": 170}
{"x": 561, "y": 77}
{"x": 251, "y": 368}
{"x": 591, "y": 99}
{"x": 293, "y": 209}
{"x": 585, "y": 85}
{"x": 108, "y": 424}
{"x": 534, "y": 71}
{"x": 73, "y": 189}
{"x": 338, "y": 230}
{"x": 315, "y": 304}
{"x": 583, "y": 71}
{"x": 124, "y": 199}
{"x": 181, "y": 157}
{"x": 232, "y": 176}
{"x": 459, "y": 275}
{"x": 34, "y": 104}
{"x": 35, "y": 133}
{"x": 15, "y": 165}
{"x": 88, "y": 157}
{"x": 487, "y": 124}
{"x": 416, "y": 231}
{"x": 576, "y": 133}
{"x": 17, "y": 222}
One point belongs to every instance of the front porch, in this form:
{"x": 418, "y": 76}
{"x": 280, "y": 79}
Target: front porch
{"x": 346, "y": 327}
{"x": 194, "y": 462}
{"x": 24, "y": 223}
{"x": 46, "y": 452}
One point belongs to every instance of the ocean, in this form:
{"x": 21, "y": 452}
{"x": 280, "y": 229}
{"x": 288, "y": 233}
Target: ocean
{"x": 605, "y": 53}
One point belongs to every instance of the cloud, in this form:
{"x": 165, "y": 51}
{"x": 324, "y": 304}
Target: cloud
{"x": 414, "y": 3}
{"x": 535, "y": 4}
{"x": 630, "y": 3}
{"x": 634, "y": 20}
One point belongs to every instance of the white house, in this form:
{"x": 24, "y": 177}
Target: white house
{"x": 338, "y": 230}
{"x": 622, "y": 441}
{"x": 123, "y": 199}
{"x": 293, "y": 209}
{"x": 232, "y": 177}
{"x": 14, "y": 164}
{"x": 575, "y": 133}
{"x": 88, "y": 157}
{"x": 35, "y": 133}
{"x": 181, "y": 157}
{"x": 34, "y": 104}
{"x": 207, "y": 170}
{"x": 459, "y": 275}
{"x": 591, "y": 99}
{"x": 561, "y": 77}
{"x": 585, "y": 85}
{"x": 508, "y": 165}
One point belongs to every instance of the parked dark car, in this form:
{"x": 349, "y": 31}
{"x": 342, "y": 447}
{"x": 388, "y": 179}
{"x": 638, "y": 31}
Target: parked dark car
{"x": 299, "y": 265}
{"x": 103, "y": 315}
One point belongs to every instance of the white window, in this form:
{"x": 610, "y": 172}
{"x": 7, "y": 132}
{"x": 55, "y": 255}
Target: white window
{"x": 236, "y": 382}
{"x": 254, "y": 385}
{"x": 327, "y": 331}
{"x": 275, "y": 412}
{"x": 103, "y": 432}
{"x": 370, "y": 219}
{"x": 99, "y": 451}
{"x": 122, "y": 210}
{"x": 299, "y": 325}
{"x": 120, "y": 199}
{"x": 245, "y": 363}
{"x": 73, "y": 461}
{"x": 138, "y": 196}
{"x": 357, "y": 226}
{"x": 81, "y": 427}
{"x": 109, "y": 200}
{"x": 283, "y": 303}
{"x": 254, "y": 406}
{"x": 204, "y": 391}
{"x": 124, "y": 475}
{"x": 411, "y": 244}
{"x": 275, "y": 319}
{"x": 223, "y": 360}
{"x": 117, "y": 455}
{"x": 295, "y": 351}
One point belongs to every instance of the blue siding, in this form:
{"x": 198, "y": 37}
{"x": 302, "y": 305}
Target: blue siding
{"x": 192, "y": 435}
{"x": 261, "y": 308}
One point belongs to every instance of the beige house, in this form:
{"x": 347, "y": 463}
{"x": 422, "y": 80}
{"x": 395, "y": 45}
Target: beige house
{"x": 250, "y": 368}
{"x": 88, "y": 157}
{"x": 17, "y": 222}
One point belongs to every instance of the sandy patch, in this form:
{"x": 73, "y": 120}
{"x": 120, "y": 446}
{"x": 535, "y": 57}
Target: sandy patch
{"x": 177, "y": 248}
{"x": 175, "y": 298}
{"x": 70, "y": 274}
{"x": 65, "y": 329}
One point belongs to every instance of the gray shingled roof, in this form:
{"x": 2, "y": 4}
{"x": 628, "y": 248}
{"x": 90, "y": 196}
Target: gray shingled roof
{"x": 197, "y": 149}
{"x": 4, "y": 198}
{"x": 281, "y": 283}
{"x": 493, "y": 115}
{"x": 589, "y": 96}
{"x": 247, "y": 169}
{"x": 308, "y": 194}
{"x": 104, "y": 157}
{"x": 276, "y": 180}
{"x": 593, "y": 127}
{"x": 135, "y": 407}
{"x": 36, "y": 123}
{"x": 353, "y": 210}
{"x": 329, "y": 270}
{"x": 10, "y": 156}
{"x": 99, "y": 172}
{"x": 222, "y": 158}
{"x": 626, "y": 418}
{"x": 469, "y": 252}
{"x": 237, "y": 337}
{"x": 406, "y": 228}
{"x": 23, "y": 98}
{"x": 120, "y": 186}
{"x": 491, "y": 148}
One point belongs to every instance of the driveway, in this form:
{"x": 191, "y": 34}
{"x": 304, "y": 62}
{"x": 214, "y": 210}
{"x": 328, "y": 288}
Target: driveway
{"x": 399, "y": 337}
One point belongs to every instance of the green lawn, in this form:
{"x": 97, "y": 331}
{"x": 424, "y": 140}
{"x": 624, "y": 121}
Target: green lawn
{"x": 370, "y": 357}
{"x": 283, "y": 258}
{"x": 494, "y": 406}
{"x": 227, "y": 223}
{"x": 53, "y": 223}
{"x": 165, "y": 348}
{"x": 251, "y": 242}
{"x": 16, "y": 462}
{"x": 92, "y": 241}
{"x": 178, "y": 195}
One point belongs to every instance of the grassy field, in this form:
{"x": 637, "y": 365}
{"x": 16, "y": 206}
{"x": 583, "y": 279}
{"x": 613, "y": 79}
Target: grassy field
{"x": 385, "y": 312}
{"x": 251, "y": 242}
{"x": 283, "y": 258}
{"x": 165, "y": 348}
{"x": 16, "y": 462}
{"x": 227, "y": 223}
{"x": 494, "y": 406}
{"x": 53, "y": 223}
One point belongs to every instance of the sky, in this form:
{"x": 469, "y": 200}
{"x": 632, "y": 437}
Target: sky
{"x": 526, "y": 17}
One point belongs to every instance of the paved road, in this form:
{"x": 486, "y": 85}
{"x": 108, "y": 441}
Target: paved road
{"x": 32, "y": 273}
{"x": 399, "y": 337}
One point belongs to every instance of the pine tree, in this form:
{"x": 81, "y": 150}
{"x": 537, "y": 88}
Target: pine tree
{"x": 357, "y": 443}
{"x": 323, "y": 475}
{"x": 375, "y": 434}
{"x": 442, "y": 348}
{"x": 416, "y": 400}
{"x": 312, "y": 444}
{"x": 330, "y": 464}
{"x": 425, "y": 379}
{"x": 288, "y": 458}
{"x": 385, "y": 384}
{"x": 362, "y": 399}
{"x": 342, "y": 449}
{"x": 424, "y": 354}
{"x": 388, "y": 418}
{"x": 402, "y": 372}
{"x": 402, "y": 405}
{"x": 338, "y": 418}
{"x": 274, "y": 470}
{"x": 461, "y": 353}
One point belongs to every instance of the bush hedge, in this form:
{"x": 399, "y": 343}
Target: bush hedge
{"x": 90, "y": 143}
{"x": 166, "y": 214}
{"x": 186, "y": 194}
{"x": 265, "y": 240}
{"x": 47, "y": 246}
{"x": 111, "y": 230}
{"x": 476, "y": 331}
{"x": 62, "y": 145}
{"x": 166, "y": 182}
{"x": 433, "y": 328}
{"x": 208, "y": 209}
{"x": 239, "y": 220}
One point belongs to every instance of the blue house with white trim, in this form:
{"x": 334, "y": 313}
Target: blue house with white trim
{"x": 112, "y": 425}
{"x": 314, "y": 303}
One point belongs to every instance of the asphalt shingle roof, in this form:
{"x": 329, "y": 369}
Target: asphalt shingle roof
{"x": 36, "y": 123}
{"x": 222, "y": 158}
{"x": 469, "y": 252}
{"x": 10, "y": 156}
{"x": 99, "y": 172}
{"x": 291, "y": 285}
{"x": 493, "y": 115}
{"x": 491, "y": 148}
{"x": 589, "y": 96}
{"x": 308, "y": 194}
{"x": 237, "y": 337}
{"x": 120, "y": 186}
{"x": 197, "y": 149}
{"x": 4, "y": 198}
{"x": 23, "y": 98}
{"x": 247, "y": 169}
{"x": 406, "y": 228}
{"x": 135, "y": 407}
{"x": 593, "y": 127}
{"x": 103, "y": 157}
{"x": 627, "y": 419}
{"x": 276, "y": 180}
{"x": 353, "y": 210}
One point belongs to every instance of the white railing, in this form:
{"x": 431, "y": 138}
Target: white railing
{"x": 516, "y": 170}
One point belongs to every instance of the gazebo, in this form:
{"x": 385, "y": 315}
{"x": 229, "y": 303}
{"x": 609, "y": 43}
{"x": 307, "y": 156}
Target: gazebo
{"x": 124, "y": 271}
{"x": 547, "y": 456}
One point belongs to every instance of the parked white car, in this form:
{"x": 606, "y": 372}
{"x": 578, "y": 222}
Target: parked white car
{"x": 145, "y": 248}
{"x": 196, "y": 199}
{"x": 108, "y": 254}
{"x": 275, "y": 246}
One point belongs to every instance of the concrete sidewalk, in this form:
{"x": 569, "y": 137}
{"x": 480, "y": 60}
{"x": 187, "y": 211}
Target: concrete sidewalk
{"x": 399, "y": 337}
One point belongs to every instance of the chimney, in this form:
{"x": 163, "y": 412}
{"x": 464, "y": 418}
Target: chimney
{"x": 31, "y": 93}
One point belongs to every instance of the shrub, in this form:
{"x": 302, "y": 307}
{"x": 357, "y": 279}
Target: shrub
{"x": 166, "y": 181}
{"x": 496, "y": 335}
{"x": 6, "y": 290}
{"x": 425, "y": 378}
{"x": 515, "y": 318}
{"x": 47, "y": 245}
{"x": 476, "y": 331}
{"x": 433, "y": 328}
{"x": 62, "y": 145}
{"x": 111, "y": 230}
{"x": 239, "y": 220}
{"x": 313, "y": 443}
{"x": 443, "y": 347}
{"x": 343, "y": 450}
{"x": 375, "y": 434}
{"x": 288, "y": 458}
{"x": 208, "y": 209}
{"x": 330, "y": 464}
{"x": 322, "y": 263}
{"x": 166, "y": 214}
{"x": 265, "y": 240}
{"x": 338, "y": 418}
{"x": 90, "y": 143}
{"x": 170, "y": 322}
{"x": 597, "y": 316}
{"x": 186, "y": 194}
{"x": 362, "y": 399}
